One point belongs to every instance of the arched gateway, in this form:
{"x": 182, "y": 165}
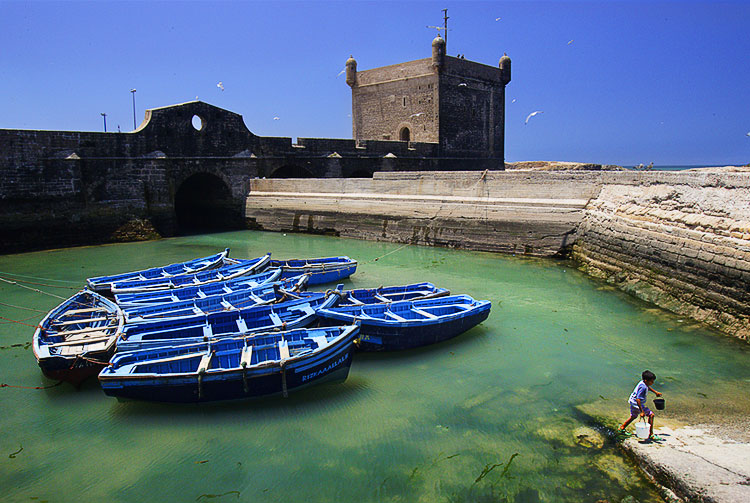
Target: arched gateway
{"x": 204, "y": 202}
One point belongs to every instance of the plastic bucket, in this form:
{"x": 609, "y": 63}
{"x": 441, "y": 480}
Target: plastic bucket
{"x": 659, "y": 403}
{"x": 641, "y": 430}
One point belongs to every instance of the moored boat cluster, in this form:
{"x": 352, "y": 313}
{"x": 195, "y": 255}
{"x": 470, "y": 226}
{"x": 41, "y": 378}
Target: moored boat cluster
{"x": 218, "y": 328}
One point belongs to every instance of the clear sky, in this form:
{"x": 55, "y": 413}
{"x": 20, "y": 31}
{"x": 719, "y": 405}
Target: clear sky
{"x": 618, "y": 82}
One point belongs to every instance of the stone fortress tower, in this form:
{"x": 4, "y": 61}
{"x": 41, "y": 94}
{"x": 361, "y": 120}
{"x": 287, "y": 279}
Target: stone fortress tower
{"x": 451, "y": 101}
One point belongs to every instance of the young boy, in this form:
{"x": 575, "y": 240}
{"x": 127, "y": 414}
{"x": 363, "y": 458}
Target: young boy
{"x": 637, "y": 402}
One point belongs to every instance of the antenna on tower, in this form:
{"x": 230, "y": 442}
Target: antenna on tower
{"x": 445, "y": 20}
{"x": 444, "y": 27}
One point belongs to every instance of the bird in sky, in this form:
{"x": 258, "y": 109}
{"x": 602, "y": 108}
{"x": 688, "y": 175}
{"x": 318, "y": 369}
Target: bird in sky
{"x": 532, "y": 114}
{"x": 514, "y": 100}
{"x": 462, "y": 84}
{"x": 342, "y": 71}
{"x": 570, "y": 41}
{"x": 220, "y": 85}
{"x": 748, "y": 133}
{"x": 276, "y": 118}
{"x": 498, "y": 18}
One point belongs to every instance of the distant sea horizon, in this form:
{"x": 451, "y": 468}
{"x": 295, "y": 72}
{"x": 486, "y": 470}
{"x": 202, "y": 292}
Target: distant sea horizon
{"x": 677, "y": 167}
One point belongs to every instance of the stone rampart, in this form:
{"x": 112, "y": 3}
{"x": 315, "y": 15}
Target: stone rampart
{"x": 678, "y": 240}
{"x": 524, "y": 213}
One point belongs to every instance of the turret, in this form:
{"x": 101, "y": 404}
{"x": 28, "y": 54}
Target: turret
{"x": 505, "y": 68}
{"x": 351, "y": 71}
{"x": 438, "y": 52}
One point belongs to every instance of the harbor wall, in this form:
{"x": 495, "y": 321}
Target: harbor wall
{"x": 680, "y": 240}
{"x": 523, "y": 213}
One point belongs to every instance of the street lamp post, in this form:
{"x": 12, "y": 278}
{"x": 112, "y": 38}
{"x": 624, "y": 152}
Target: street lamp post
{"x": 105, "y": 121}
{"x": 132, "y": 91}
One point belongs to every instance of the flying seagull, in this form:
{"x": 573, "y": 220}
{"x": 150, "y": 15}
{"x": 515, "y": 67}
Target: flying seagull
{"x": 514, "y": 100}
{"x": 276, "y": 118}
{"x": 498, "y": 18}
{"x": 417, "y": 115}
{"x": 220, "y": 85}
{"x": 748, "y": 133}
{"x": 532, "y": 114}
{"x": 462, "y": 84}
{"x": 570, "y": 41}
{"x": 342, "y": 71}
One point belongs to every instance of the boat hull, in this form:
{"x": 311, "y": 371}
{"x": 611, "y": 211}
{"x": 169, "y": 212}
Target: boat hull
{"x": 72, "y": 370}
{"x": 394, "y": 338}
{"x": 74, "y": 324}
{"x": 320, "y": 270}
{"x": 332, "y": 366}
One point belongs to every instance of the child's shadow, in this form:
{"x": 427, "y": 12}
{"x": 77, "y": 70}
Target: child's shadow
{"x": 656, "y": 439}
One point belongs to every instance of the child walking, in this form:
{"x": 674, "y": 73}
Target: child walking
{"x": 637, "y": 402}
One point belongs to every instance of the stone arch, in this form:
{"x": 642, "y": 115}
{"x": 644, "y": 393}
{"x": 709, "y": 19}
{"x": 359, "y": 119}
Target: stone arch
{"x": 291, "y": 171}
{"x": 203, "y": 202}
{"x": 404, "y": 134}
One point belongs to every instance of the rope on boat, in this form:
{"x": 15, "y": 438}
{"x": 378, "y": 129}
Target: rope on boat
{"x": 16, "y": 283}
{"x": 385, "y": 255}
{"x": 3, "y": 385}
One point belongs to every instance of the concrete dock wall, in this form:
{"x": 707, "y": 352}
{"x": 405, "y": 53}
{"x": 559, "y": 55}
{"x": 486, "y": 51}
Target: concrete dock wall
{"x": 525, "y": 213}
{"x": 678, "y": 240}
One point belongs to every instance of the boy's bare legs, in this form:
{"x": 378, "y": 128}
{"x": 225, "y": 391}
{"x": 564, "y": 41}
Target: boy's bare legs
{"x": 651, "y": 423}
{"x": 626, "y": 423}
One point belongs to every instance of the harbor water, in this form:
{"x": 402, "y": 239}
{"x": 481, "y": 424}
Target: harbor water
{"x": 496, "y": 414}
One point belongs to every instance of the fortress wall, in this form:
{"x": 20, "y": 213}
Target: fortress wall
{"x": 678, "y": 240}
{"x": 521, "y": 213}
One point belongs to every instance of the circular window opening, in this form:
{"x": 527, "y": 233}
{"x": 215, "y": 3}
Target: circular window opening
{"x": 198, "y": 122}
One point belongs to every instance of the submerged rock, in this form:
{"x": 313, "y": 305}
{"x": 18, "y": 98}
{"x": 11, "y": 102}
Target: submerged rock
{"x": 588, "y": 437}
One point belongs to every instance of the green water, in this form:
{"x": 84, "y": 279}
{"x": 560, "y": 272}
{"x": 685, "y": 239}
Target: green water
{"x": 423, "y": 425}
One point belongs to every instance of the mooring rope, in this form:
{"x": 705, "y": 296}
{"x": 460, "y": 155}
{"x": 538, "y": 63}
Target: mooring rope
{"x": 3, "y": 385}
{"x": 385, "y": 255}
{"x": 21, "y": 307}
{"x": 19, "y": 322}
{"x": 16, "y": 283}
{"x": 37, "y": 277}
{"x": 40, "y": 284}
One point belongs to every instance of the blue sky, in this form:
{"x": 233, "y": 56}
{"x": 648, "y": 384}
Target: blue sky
{"x": 618, "y": 82}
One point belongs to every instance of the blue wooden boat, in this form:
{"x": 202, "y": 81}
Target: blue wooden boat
{"x": 77, "y": 338}
{"x": 230, "y": 269}
{"x": 232, "y": 368}
{"x": 200, "y": 291}
{"x": 410, "y": 323}
{"x": 413, "y": 291}
{"x": 321, "y": 270}
{"x": 103, "y": 284}
{"x": 286, "y": 315}
{"x": 241, "y": 299}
